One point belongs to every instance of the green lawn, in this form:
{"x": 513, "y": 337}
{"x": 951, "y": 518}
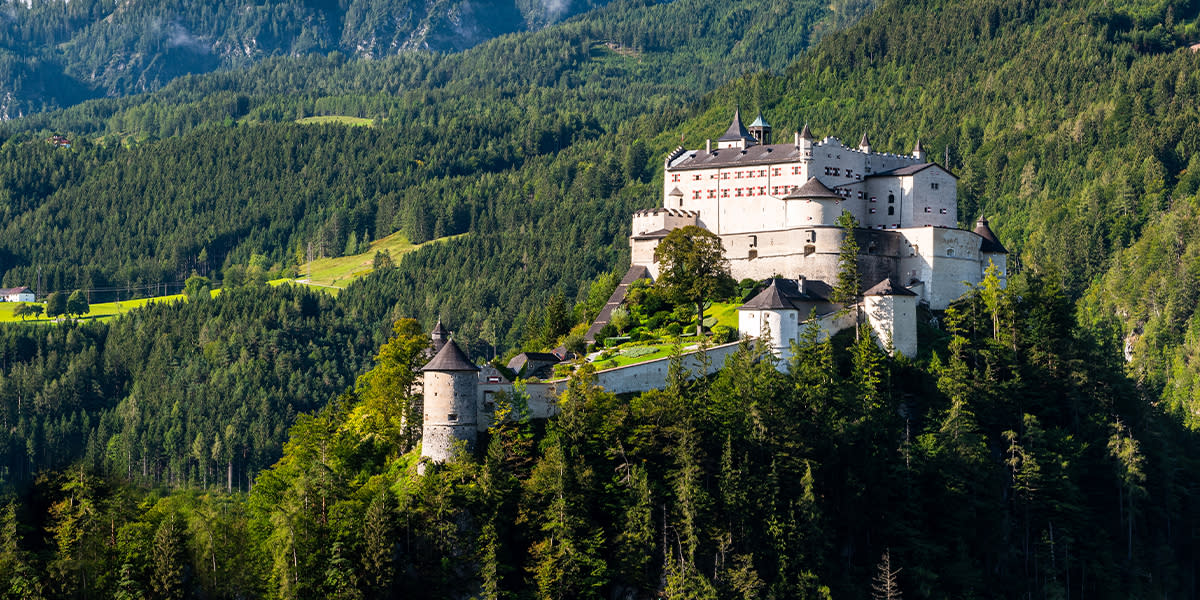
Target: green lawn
{"x": 339, "y": 119}
{"x": 101, "y": 311}
{"x": 328, "y": 274}
{"x": 726, "y": 314}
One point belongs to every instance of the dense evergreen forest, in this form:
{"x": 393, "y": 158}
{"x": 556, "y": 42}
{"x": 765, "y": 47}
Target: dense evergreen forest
{"x": 248, "y": 445}
{"x": 55, "y": 54}
{"x": 1018, "y": 462}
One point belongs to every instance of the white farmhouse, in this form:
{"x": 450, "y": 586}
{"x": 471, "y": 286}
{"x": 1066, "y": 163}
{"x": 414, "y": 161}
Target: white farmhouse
{"x": 17, "y": 294}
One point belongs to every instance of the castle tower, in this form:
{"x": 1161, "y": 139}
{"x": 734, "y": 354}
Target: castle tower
{"x": 439, "y": 336}
{"x": 865, "y": 145}
{"x": 804, "y": 141}
{"x": 761, "y": 130}
{"x": 892, "y": 312}
{"x": 451, "y": 403}
{"x": 772, "y": 315}
{"x": 736, "y": 136}
{"x": 918, "y": 151}
{"x": 991, "y": 251}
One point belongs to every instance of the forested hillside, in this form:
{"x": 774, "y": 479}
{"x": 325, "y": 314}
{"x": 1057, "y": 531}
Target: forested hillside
{"x": 1017, "y": 457}
{"x": 1020, "y": 463}
{"x": 217, "y": 381}
{"x": 556, "y": 139}
{"x": 54, "y": 54}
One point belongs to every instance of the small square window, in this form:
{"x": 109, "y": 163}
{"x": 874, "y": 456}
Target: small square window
{"x": 943, "y": 211}
{"x": 872, "y": 211}
{"x": 452, "y": 417}
{"x": 928, "y": 210}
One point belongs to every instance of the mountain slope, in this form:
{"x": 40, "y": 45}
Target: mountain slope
{"x": 89, "y": 48}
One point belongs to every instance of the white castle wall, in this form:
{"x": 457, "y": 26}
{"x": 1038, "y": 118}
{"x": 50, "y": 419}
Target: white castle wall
{"x": 893, "y": 321}
{"x": 785, "y": 326}
{"x": 946, "y": 260}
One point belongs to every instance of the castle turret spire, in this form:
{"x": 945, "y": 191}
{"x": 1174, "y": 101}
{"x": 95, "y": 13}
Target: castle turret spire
{"x": 761, "y": 130}
{"x": 865, "y": 144}
{"x": 736, "y": 136}
{"x": 918, "y": 151}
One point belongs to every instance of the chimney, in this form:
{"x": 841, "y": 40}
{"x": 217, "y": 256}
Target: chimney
{"x": 800, "y": 283}
{"x": 797, "y": 139}
{"x": 708, "y": 145}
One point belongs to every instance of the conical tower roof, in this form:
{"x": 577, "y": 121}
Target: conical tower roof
{"x": 760, "y": 122}
{"x": 771, "y": 298}
{"x": 736, "y": 130}
{"x": 439, "y": 330}
{"x": 990, "y": 243}
{"x": 806, "y": 133}
{"x": 450, "y": 358}
{"x": 813, "y": 188}
{"x": 864, "y": 142}
{"x": 918, "y": 149}
{"x": 889, "y": 287}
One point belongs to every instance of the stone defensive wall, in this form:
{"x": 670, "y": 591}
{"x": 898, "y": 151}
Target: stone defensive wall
{"x": 638, "y": 377}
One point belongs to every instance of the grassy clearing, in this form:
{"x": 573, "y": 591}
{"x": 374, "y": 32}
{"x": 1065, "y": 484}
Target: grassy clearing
{"x": 726, "y": 314}
{"x": 101, "y": 311}
{"x": 332, "y": 274}
{"x": 338, "y": 119}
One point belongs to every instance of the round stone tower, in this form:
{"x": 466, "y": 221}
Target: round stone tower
{"x": 451, "y": 397}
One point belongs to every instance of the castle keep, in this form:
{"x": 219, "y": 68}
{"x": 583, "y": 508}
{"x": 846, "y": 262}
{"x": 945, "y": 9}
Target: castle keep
{"x": 775, "y": 208}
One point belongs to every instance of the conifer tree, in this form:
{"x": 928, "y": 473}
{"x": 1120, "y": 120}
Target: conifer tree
{"x": 886, "y": 585}
{"x": 378, "y": 557}
{"x": 168, "y": 559}
{"x": 848, "y": 289}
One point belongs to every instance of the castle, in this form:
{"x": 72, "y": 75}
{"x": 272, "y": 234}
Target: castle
{"x": 775, "y": 208}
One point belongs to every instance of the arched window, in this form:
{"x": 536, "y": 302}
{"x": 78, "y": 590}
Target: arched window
{"x": 891, "y": 210}
{"x": 891, "y": 198}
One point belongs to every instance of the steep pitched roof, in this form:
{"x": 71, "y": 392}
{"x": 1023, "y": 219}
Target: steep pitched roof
{"x": 760, "y": 122}
{"x": 864, "y": 141}
{"x": 450, "y": 358}
{"x": 539, "y": 359}
{"x": 918, "y": 149}
{"x": 757, "y": 154}
{"x": 785, "y": 293}
{"x": 990, "y": 243}
{"x": 439, "y": 330}
{"x": 736, "y": 130}
{"x": 888, "y": 287}
{"x": 813, "y": 188}
{"x": 911, "y": 170}
{"x": 771, "y": 298}
{"x": 806, "y": 133}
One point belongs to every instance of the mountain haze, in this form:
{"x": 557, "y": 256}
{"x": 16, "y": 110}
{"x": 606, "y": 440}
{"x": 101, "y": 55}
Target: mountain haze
{"x": 55, "y": 53}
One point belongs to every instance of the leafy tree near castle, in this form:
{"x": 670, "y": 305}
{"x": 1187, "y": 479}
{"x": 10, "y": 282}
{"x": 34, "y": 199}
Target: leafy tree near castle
{"x": 693, "y": 268}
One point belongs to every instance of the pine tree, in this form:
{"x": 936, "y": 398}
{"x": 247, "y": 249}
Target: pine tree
{"x": 379, "y": 547}
{"x": 168, "y": 558}
{"x": 885, "y": 586}
{"x": 848, "y": 289}
{"x": 340, "y": 582}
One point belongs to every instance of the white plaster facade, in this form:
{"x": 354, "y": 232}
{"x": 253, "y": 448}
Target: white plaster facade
{"x": 745, "y": 192}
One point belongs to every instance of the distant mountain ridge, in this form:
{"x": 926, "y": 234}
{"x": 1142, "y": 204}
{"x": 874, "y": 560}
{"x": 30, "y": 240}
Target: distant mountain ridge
{"x": 55, "y": 53}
